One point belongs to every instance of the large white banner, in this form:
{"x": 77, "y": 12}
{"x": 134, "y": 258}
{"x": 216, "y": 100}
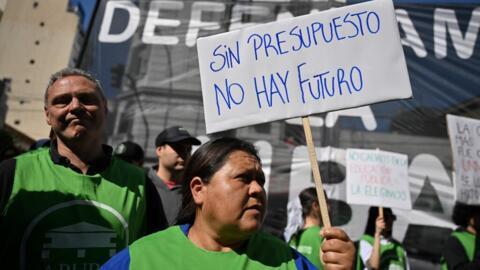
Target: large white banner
{"x": 331, "y": 60}
{"x": 465, "y": 141}
{"x": 377, "y": 178}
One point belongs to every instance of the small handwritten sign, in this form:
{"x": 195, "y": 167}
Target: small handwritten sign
{"x": 465, "y": 141}
{"x": 377, "y": 178}
{"x": 335, "y": 59}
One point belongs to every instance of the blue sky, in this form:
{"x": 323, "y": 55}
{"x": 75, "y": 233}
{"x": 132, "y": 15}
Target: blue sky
{"x": 426, "y": 1}
{"x": 85, "y": 10}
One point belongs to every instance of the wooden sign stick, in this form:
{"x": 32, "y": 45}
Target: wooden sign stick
{"x": 380, "y": 211}
{"x": 316, "y": 172}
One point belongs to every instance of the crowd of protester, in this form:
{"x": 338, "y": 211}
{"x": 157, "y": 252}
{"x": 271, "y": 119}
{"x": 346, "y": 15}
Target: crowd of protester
{"x": 200, "y": 211}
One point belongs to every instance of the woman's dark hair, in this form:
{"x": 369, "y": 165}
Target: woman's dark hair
{"x": 204, "y": 163}
{"x": 463, "y": 212}
{"x": 372, "y": 217}
{"x": 307, "y": 197}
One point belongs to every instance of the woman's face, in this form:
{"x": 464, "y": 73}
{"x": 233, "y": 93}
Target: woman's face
{"x": 233, "y": 203}
{"x": 389, "y": 220}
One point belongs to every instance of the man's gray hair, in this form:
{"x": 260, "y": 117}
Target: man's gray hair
{"x": 72, "y": 72}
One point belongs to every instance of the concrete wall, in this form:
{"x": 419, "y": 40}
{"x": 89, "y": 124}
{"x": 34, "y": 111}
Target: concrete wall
{"x": 36, "y": 40}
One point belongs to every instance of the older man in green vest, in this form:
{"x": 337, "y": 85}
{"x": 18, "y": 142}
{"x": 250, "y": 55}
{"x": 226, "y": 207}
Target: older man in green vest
{"x": 73, "y": 205}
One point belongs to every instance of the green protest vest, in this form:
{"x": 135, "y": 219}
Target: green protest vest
{"x": 308, "y": 242}
{"x": 468, "y": 242}
{"x": 58, "y": 219}
{"x": 171, "y": 249}
{"x": 392, "y": 255}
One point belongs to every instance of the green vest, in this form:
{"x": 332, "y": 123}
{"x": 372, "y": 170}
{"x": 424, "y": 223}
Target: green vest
{"x": 468, "y": 242}
{"x": 392, "y": 255}
{"x": 57, "y": 218}
{"x": 171, "y": 249}
{"x": 308, "y": 243}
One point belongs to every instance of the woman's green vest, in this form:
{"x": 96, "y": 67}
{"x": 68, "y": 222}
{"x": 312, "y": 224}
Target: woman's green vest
{"x": 468, "y": 242}
{"x": 392, "y": 255}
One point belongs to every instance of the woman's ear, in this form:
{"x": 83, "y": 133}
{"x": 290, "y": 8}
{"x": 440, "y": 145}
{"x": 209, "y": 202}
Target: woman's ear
{"x": 315, "y": 206}
{"x": 197, "y": 186}
{"x": 315, "y": 210}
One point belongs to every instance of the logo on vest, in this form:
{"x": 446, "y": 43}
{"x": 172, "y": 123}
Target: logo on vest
{"x": 79, "y": 238}
{"x": 75, "y": 235}
{"x": 305, "y": 249}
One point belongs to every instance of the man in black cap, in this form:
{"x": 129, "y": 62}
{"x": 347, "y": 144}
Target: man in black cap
{"x": 173, "y": 149}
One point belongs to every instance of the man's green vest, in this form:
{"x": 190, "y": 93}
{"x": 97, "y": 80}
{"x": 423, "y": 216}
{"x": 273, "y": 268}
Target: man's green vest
{"x": 392, "y": 255}
{"x": 59, "y": 219}
{"x": 468, "y": 242}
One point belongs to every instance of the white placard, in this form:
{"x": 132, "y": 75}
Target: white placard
{"x": 330, "y": 60}
{"x": 465, "y": 141}
{"x": 377, "y": 178}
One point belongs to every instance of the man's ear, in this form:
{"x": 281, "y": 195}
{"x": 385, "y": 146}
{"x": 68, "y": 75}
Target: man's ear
{"x": 158, "y": 150}
{"x": 47, "y": 115}
{"x": 198, "y": 187}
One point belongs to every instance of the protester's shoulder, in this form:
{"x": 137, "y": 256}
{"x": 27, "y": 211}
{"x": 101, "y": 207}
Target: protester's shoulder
{"x": 154, "y": 178}
{"x": 395, "y": 241}
{"x": 460, "y": 231}
{"x": 7, "y": 173}
{"x": 34, "y": 154}
{"x": 312, "y": 231}
{"x": 459, "y": 237}
{"x": 7, "y": 164}
{"x": 453, "y": 246}
{"x": 121, "y": 261}
{"x": 397, "y": 244}
{"x": 7, "y": 177}
{"x": 366, "y": 237}
{"x": 10, "y": 164}
{"x": 456, "y": 234}
{"x": 122, "y": 167}
{"x": 365, "y": 241}
{"x": 158, "y": 237}
{"x": 151, "y": 172}
{"x": 277, "y": 249}
{"x": 264, "y": 238}
{"x": 125, "y": 174}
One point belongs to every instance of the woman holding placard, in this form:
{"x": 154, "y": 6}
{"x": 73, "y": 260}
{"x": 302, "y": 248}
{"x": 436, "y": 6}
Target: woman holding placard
{"x": 462, "y": 250}
{"x": 223, "y": 207}
{"x": 377, "y": 249}
{"x": 308, "y": 240}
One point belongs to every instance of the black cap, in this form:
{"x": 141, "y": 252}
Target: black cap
{"x": 129, "y": 151}
{"x": 175, "y": 134}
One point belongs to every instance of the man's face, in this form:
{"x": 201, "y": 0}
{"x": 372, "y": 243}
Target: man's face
{"x": 75, "y": 109}
{"x": 234, "y": 201}
{"x": 173, "y": 156}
